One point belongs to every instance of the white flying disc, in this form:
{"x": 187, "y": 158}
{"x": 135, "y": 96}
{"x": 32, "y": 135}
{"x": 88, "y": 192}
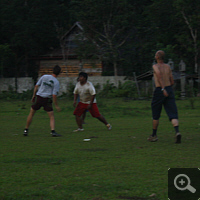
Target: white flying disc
{"x": 86, "y": 140}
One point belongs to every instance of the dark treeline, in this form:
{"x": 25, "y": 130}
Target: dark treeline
{"x": 125, "y": 33}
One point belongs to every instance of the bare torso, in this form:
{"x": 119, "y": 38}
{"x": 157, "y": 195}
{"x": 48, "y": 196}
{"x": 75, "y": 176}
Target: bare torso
{"x": 163, "y": 71}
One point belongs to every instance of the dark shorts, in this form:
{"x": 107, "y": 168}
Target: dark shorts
{"x": 82, "y": 107}
{"x": 168, "y": 102}
{"x": 42, "y": 102}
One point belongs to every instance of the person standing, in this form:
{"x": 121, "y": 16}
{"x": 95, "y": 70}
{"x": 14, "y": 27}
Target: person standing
{"x": 86, "y": 92}
{"x": 45, "y": 89}
{"x": 163, "y": 95}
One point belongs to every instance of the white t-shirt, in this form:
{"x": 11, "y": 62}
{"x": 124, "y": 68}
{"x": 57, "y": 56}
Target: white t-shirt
{"x": 85, "y": 92}
{"x": 49, "y": 86}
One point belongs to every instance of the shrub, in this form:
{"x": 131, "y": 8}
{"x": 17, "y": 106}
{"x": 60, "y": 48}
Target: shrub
{"x": 127, "y": 89}
{"x": 70, "y": 89}
{"x": 11, "y": 94}
{"x": 107, "y": 90}
{"x": 190, "y": 93}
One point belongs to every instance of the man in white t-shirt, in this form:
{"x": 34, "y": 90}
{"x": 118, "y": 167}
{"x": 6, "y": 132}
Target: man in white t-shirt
{"x": 86, "y": 92}
{"x": 45, "y": 89}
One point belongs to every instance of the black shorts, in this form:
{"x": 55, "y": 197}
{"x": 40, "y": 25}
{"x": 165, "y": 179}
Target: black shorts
{"x": 168, "y": 102}
{"x": 42, "y": 102}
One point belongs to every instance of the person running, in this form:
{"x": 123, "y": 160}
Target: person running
{"x": 46, "y": 88}
{"x": 163, "y": 95}
{"x": 84, "y": 114}
{"x": 87, "y": 93}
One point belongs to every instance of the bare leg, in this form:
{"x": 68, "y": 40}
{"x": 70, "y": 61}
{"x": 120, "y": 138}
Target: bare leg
{"x": 153, "y": 137}
{"x": 29, "y": 118}
{"x": 52, "y": 120}
{"x": 174, "y": 122}
{"x": 155, "y": 124}
{"x": 79, "y": 121}
{"x": 83, "y": 117}
{"x": 176, "y": 127}
{"x": 102, "y": 119}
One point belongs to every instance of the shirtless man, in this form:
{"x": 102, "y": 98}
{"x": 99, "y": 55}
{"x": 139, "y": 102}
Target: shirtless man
{"x": 163, "y": 95}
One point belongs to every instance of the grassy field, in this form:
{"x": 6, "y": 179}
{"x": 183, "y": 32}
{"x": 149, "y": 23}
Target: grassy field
{"x": 116, "y": 164}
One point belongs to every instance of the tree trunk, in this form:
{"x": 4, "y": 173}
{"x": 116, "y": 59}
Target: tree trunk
{"x": 2, "y": 68}
{"x": 16, "y": 83}
{"x": 194, "y": 37}
{"x": 195, "y": 59}
{"x": 115, "y": 68}
{"x": 198, "y": 93}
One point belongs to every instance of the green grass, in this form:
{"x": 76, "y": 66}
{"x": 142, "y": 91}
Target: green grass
{"x": 116, "y": 164}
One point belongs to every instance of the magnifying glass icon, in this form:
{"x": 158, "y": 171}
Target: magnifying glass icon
{"x": 186, "y": 184}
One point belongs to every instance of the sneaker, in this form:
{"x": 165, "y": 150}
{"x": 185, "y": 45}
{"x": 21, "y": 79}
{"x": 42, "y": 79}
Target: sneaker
{"x": 25, "y": 132}
{"x": 79, "y": 129}
{"x": 54, "y": 134}
{"x": 109, "y": 126}
{"x": 178, "y": 138}
{"x": 152, "y": 138}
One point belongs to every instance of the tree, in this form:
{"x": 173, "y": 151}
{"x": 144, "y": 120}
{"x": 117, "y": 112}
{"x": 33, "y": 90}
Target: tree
{"x": 176, "y": 24}
{"x": 29, "y": 27}
{"x": 161, "y": 24}
{"x": 188, "y": 12}
{"x": 107, "y": 24}
{"x": 6, "y": 58}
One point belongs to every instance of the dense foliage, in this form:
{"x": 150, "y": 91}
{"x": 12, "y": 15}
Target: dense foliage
{"x": 125, "y": 33}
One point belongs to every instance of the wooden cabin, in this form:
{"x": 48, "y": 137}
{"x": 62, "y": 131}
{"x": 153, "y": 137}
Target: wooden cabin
{"x": 67, "y": 58}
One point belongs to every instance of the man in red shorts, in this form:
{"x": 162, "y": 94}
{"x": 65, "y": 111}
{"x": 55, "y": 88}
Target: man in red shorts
{"x": 87, "y": 93}
{"x": 46, "y": 88}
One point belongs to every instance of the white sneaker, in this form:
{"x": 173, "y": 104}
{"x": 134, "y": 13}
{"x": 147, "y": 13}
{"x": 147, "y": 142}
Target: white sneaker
{"x": 109, "y": 126}
{"x": 79, "y": 129}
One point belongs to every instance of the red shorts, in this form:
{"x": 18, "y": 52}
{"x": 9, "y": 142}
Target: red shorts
{"x": 42, "y": 102}
{"x": 82, "y": 107}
